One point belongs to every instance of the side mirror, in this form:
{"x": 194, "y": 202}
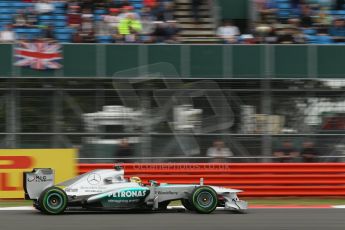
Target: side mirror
{"x": 118, "y": 167}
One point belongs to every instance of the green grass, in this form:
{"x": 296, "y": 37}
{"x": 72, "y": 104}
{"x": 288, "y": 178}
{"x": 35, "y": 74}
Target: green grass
{"x": 15, "y": 203}
{"x": 252, "y": 201}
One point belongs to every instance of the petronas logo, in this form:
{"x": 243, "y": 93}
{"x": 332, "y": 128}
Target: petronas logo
{"x": 128, "y": 194}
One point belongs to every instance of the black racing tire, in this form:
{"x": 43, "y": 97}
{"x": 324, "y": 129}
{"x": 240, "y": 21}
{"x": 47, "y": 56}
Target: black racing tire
{"x": 163, "y": 205}
{"x": 37, "y": 206}
{"x": 187, "y": 205}
{"x": 204, "y": 199}
{"x": 53, "y": 201}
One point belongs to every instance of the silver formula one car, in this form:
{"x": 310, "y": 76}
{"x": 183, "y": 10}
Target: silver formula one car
{"x": 108, "y": 190}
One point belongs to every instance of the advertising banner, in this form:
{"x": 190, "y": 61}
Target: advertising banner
{"x": 13, "y": 162}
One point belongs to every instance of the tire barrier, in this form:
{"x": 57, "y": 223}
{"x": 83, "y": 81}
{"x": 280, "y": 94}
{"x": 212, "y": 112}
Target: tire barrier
{"x": 256, "y": 179}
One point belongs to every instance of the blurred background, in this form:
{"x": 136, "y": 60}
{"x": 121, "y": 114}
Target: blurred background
{"x": 175, "y": 80}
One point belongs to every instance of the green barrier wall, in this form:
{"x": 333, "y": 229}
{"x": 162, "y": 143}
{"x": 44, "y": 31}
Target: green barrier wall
{"x": 189, "y": 61}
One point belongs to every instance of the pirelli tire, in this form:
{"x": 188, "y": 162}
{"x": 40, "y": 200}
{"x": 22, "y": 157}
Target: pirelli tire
{"x": 163, "y": 205}
{"x": 36, "y": 205}
{"x": 53, "y": 201}
{"x": 204, "y": 199}
{"x": 187, "y": 204}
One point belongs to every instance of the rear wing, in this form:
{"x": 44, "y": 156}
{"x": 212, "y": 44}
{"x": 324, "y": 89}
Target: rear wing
{"x": 36, "y": 181}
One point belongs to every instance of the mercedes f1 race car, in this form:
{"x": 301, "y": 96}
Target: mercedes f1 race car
{"x": 107, "y": 189}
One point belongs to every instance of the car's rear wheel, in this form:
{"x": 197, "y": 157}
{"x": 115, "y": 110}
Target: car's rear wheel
{"x": 204, "y": 199}
{"x": 53, "y": 201}
{"x": 36, "y": 205}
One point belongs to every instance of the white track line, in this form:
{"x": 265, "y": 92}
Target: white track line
{"x": 29, "y": 208}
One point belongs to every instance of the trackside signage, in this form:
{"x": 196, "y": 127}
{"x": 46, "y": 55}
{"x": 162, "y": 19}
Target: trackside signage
{"x": 13, "y": 162}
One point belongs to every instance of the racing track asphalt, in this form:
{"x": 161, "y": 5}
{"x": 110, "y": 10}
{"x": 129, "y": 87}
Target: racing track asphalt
{"x": 260, "y": 219}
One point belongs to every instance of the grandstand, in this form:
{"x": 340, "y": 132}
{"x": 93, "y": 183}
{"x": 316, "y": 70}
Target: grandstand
{"x": 276, "y": 21}
{"x": 174, "y": 100}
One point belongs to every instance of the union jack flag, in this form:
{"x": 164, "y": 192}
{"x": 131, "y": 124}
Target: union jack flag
{"x": 39, "y": 55}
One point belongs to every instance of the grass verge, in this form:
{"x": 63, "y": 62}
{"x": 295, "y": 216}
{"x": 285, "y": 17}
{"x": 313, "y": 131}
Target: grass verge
{"x": 15, "y": 203}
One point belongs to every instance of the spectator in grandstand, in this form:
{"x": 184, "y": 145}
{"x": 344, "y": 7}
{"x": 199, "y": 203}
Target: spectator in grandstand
{"x": 337, "y": 31}
{"x": 48, "y": 32}
{"x": 168, "y": 11}
{"x": 88, "y": 5}
{"x": 295, "y": 4}
{"x": 87, "y": 30}
{"x": 74, "y": 16}
{"x": 124, "y": 150}
{"x": 148, "y": 25}
{"x": 287, "y": 153}
{"x": 228, "y": 32}
{"x": 264, "y": 33}
{"x": 128, "y": 10}
{"x": 196, "y": 4}
{"x": 323, "y": 36}
{"x": 77, "y": 36}
{"x": 306, "y": 17}
{"x": 172, "y": 32}
{"x": 112, "y": 20}
{"x": 247, "y": 39}
{"x": 87, "y": 14}
{"x": 44, "y": 7}
{"x": 219, "y": 152}
{"x": 309, "y": 153}
{"x": 323, "y": 18}
{"x": 267, "y": 11}
{"x": 7, "y": 35}
{"x": 157, "y": 11}
{"x": 159, "y": 34}
{"x": 122, "y": 3}
{"x": 110, "y": 23}
{"x": 339, "y": 4}
{"x": 290, "y": 35}
{"x": 31, "y": 16}
{"x": 19, "y": 19}
{"x": 129, "y": 28}
{"x": 150, "y": 3}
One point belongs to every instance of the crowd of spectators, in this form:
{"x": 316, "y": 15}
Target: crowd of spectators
{"x": 290, "y": 22}
{"x": 93, "y": 21}
{"x": 289, "y": 153}
{"x": 153, "y": 21}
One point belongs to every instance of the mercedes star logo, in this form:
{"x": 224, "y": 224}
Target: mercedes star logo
{"x": 94, "y": 179}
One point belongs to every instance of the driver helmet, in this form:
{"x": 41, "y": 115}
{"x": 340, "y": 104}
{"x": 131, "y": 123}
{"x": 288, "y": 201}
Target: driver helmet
{"x": 135, "y": 179}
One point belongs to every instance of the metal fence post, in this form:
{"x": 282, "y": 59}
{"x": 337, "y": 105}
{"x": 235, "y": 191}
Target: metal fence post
{"x": 11, "y": 115}
{"x": 266, "y": 100}
{"x": 56, "y": 116}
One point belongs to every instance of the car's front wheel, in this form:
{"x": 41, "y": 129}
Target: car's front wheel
{"x": 163, "y": 205}
{"x": 53, "y": 201}
{"x": 204, "y": 199}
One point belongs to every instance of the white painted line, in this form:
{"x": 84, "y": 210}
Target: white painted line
{"x": 29, "y": 208}
{"x": 181, "y": 207}
{"x": 23, "y": 208}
